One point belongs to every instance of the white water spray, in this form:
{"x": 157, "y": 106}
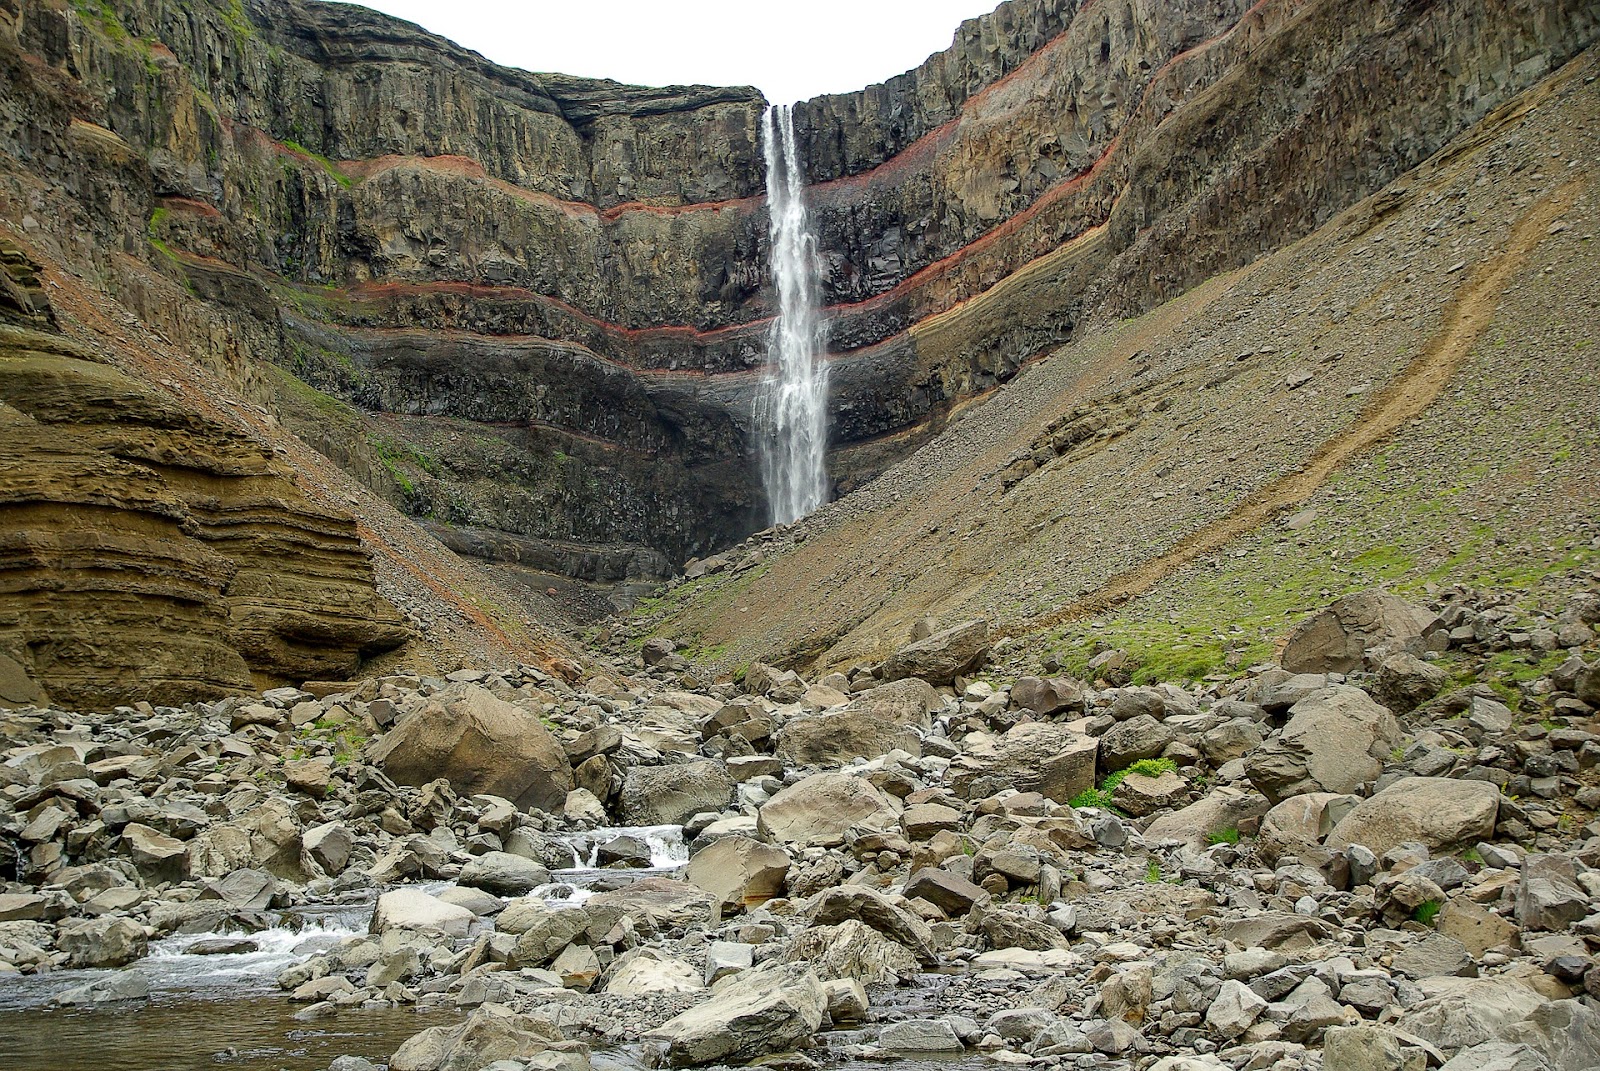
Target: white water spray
{"x": 792, "y": 405}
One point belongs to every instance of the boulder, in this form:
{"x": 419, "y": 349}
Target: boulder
{"x": 1405, "y": 682}
{"x": 503, "y": 874}
{"x": 1140, "y": 737}
{"x": 1048, "y": 696}
{"x": 671, "y": 795}
{"x": 887, "y": 717}
{"x": 1302, "y": 821}
{"x": 1459, "y": 1012}
{"x": 102, "y": 942}
{"x": 1335, "y": 741}
{"x": 920, "y": 1035}
{"x": 1031, "y": 757}
{"x": 651, "y": 972}
{"x": 491, "y": 1033}
{"x": 480, "y": 744}
{"x": 759, "y": 1012}
{"x": 1140, "y": 795}
{"x": 818, "y": 810}
{"x": 864, "y": 905}
{"x": 1439, "y": 812}
{"x": 1234, "y": 1010}
{"x": 739, "y": 870}
{"x": 1334, "y": 640}
{"x": 950, "y": 893}
{"x": 1548, "y": 894}
{"x": 1195, "y": 824}
{"x": 1370, "y": 1047}
{"x": 852, "y": 950}
{"x": 158, "y": 856}
{"x": 326, "y": 848}
{"x": 413, "y": 909}
{"x": 942, "y": 657}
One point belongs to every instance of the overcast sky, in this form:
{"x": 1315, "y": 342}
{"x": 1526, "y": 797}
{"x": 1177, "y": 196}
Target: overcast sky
{"x": 791, "y": 51}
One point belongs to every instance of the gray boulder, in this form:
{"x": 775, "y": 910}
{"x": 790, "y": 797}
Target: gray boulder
{"x": 1335, "y": 741}
{"x": 1047, "y": 696}
{"x": 819, "y": 809}
{"x": 671, "y": 795}
{"x": 757, "y": 1013}
{"x": 503, "y": 874}
{"x": 1031, "y": 757}
{"x": 739, "y": 870}
{"x": 102, "y": 942}
{"x": 1439, "y": 812}
{"x": 942, "y": 657}
{"x": 886, "y": 717}
{"x": 1335, "y": 640}
{"x": 480, "y": 744}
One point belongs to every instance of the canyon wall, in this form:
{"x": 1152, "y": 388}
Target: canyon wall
{"x": 531, "y": 309}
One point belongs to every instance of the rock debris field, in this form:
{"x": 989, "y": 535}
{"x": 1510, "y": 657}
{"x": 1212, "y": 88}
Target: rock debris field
{"x": 1355, "y": 859}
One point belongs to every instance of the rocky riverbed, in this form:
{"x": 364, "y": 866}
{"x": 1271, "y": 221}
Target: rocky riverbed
{"x": 1363, "y": 857}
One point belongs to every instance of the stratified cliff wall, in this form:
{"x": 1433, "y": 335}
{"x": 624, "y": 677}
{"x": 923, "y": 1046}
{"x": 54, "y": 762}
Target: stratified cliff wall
{"x": 532, "y": 309}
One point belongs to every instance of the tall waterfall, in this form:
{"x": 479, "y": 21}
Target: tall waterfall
{"x": 792, "y": 405}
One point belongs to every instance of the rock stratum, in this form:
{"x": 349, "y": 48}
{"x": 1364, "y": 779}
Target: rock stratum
{"x": 531, "y": 310}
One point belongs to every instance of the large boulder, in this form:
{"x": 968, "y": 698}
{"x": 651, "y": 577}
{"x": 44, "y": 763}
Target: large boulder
{"x": 1051, "y": 695}
{"x": 1032, "y": 757}
{"x": 876, "y": 910}
{"x": 1439, "y": 812}
{"x": 102, "y": 942}
{"x": 480, "y": 744}
{"x": 887, "y": 717}
{"x": 1548, "y": 894}
{"x": 754, "y": 1014}
{"x": 671, "y": 795}
{"x": 490, "y": 1034}
{"x": 1194, "y": 825}
{"x": 852, "y": 949}
{"x": 503, "y": 874}
{"x": 413, "y": 909}
{"x": 818, "y": 810}
{"x": 942, "y": 657}
{"x": 739, "y": 870}
{"x": 1335, "y": 741}
{"x": 1302, "y": 821}
{"x": 1334, "y": 640}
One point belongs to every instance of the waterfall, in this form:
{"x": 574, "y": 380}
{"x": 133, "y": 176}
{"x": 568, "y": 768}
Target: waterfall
{"x": 791, "y": 410}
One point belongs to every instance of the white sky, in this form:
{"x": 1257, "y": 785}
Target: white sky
{"x": 791, "y": 51}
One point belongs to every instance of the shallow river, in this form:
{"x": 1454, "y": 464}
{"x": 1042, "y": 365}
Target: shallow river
{"x": 224, "y": 1011}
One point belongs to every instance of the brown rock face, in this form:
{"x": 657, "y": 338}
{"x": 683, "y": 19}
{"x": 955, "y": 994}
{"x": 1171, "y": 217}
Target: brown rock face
{"x": 479, "y": 744}
{"x": 150, "y": 553}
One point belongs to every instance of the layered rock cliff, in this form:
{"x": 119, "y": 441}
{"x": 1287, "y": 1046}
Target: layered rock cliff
{"x": 532, "y": 309}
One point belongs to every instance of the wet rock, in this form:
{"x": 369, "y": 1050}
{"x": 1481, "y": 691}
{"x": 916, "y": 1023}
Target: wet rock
{"x": 757, "y": 1013}
{"x": 503, "y": 874}
{"x": 124, "y": 985}
{"x": 480, "y": 744}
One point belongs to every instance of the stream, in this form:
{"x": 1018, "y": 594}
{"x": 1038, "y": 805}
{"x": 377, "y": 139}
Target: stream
{"x": 219, "y": 1011}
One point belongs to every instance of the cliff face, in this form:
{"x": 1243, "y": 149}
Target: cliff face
{"x": 532, "y": 309}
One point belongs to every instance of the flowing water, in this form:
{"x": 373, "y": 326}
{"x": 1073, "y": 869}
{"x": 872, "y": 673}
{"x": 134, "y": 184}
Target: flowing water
{"x": 219, "y": 1011}
{"x": 792, "y": 404}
